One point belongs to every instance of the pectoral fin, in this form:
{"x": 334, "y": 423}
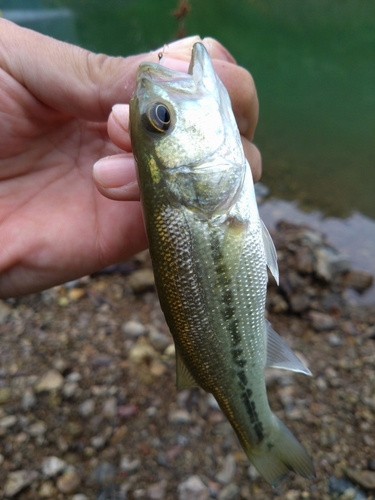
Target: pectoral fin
{"x": 279, "y": 355}
{"x": 184, "y": 379}
{"x": 270, "y": 250}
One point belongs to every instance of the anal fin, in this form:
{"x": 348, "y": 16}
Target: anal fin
{"x": 280, "y": 355}
{"x": 184, "y": 379}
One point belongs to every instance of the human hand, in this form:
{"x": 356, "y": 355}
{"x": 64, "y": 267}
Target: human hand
{"x": 55, "y": 100}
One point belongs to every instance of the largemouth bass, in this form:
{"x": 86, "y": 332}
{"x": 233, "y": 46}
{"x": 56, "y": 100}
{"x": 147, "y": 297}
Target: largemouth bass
{"x": 210, "y": 253}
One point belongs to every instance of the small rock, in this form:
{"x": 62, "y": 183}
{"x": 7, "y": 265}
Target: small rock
{"x": 364, "y": 478}
{"x": 70, "y": 389}
{"x": 193, "y": 489}
{"x": 47, "y": 490}
{"x": 228, "y": 470}
{"x": 79, "y": 496}
{"x": 53, "y": 466}
{"x": 37, "y": 429}
{"x": 359, "y": 280}
{"x": 69, "y": 482}
{"x": 329, "y": 263}
{"x": 292, "y": 495}
{"x": 110, "y": 407}
{"x": 299, "y": 302}
{"x": 321, "y": 321}
{"x": 128, "y": 465}
{"x": 17, "y": 481}
{"x": 346, "y": 489}
{"x": 229, "y": 492}
{"x": 75, "y": 294}
{"x": 156, "y": 491}
{"x": 74, "y": 377}
{"x": 4, "y": 395}
{"x": 8, "y": 421}
{"x": 142, "y": 351}
{"x": 158, "y": 340}
{"x": 261, "y": 191}
{"x": 86, "y": 409}
{"x": 133, "y": 329}
{"x": 28, "y": 399}
{"x": 50, "y": 381}
{"x": 103, "y": 473}
{"x": 5, "y": 311}
{"x": 157, "y": 368}
{"x": 334, "y": 340}
{"x": 179, "y": 417}
{"x": 142, "y": 280}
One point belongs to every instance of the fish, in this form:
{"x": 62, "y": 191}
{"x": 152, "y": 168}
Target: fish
{"x": 210, "y": 252}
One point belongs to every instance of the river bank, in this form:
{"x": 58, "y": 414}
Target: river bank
{"x": 89, "y": 410}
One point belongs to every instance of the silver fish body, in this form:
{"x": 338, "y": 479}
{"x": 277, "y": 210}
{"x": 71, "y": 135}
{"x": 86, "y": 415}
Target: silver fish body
{"x": 210, "y": 253}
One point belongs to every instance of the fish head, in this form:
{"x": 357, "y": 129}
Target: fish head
{"x": 184, "y": 135}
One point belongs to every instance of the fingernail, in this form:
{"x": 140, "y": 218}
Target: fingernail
{"x": 121, "y": 115}
{"x": 217, "y": 51}
{"x": 183, "y": 45}
{"x": 110, "y": 172}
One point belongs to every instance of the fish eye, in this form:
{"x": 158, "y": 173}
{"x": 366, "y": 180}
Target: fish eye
{"x": 157, "y": 117}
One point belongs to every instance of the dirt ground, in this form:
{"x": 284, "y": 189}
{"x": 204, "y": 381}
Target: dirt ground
{"x": 89, "y": 409}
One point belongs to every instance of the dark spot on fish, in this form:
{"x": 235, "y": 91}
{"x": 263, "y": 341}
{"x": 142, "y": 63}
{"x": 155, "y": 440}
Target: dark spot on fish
{"x": 242, "y": 376}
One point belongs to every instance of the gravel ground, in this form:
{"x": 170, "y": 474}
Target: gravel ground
{"x": 89, "y": 409}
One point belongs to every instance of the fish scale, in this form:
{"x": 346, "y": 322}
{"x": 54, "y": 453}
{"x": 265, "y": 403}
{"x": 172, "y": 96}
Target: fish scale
{"x": 210, "y": 253}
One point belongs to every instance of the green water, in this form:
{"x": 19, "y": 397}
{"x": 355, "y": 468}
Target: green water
{"x": 314, "y": 66}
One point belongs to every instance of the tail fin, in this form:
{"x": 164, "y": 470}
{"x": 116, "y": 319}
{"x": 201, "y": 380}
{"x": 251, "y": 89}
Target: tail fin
{"x": 279, "y": 453}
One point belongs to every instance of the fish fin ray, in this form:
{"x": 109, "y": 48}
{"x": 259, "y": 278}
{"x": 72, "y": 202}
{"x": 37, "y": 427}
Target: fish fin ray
{"x": 280, "y": 453}
{"x": 270, "y": 250}
{"x": 184, "y": 379}
{"x": 280, "y": 355}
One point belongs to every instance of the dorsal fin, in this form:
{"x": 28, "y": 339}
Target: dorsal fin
{"x": 270, "y": 250}
{"x": 280, "y": 355}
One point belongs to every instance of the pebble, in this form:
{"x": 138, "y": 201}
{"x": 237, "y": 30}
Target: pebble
{"x": 158, "y": 340}
{"x": 193, "y": 489}
{"x": 141, "y": 351}
{"x": 359, "y": 280}
{"x": 103, "y": 473}
{"x": 179, "y": 417}
{"x": 86, "y": 409}
{"x": 346, "y": 489}
{"x": 69, "y": 482}
{"x": 227, "y": 471}
{"x": 47, "y": 490}
{"x": 53, "y": 466}
{"x": 70, "y": 389}
{"x": 79, "y": 496}
{"x": 229, "y": 492}
{"x": 37, "y": 429}
{"x": 50, "y": 381}
{"x": 110, "y": 407}
{"x": 128, "y": 465}
{"x": 156, "y": 491}
{"x": 364, "y": 478}
{"x": 28, "y": 399}
{"x": 321, "y": 321}
{"x": 17, "y": 481}
{"x": 4, "y": 395}
{"x": 8, "y": 421}
{"x": 141, "y": 281}
{"x": 133, "y": 329}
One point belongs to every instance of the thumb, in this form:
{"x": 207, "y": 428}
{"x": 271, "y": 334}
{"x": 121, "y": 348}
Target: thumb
{"x": 75, "y": 81}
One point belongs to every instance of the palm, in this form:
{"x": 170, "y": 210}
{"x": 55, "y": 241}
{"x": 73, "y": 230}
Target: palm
{"x": 46, "y": 160}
